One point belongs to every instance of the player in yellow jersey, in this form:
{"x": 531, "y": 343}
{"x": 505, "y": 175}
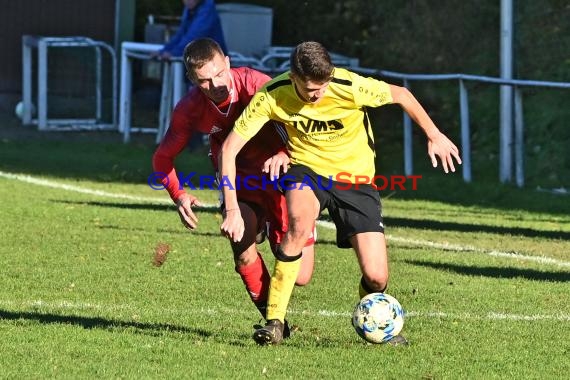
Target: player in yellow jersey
{"x": 330, "y": 136}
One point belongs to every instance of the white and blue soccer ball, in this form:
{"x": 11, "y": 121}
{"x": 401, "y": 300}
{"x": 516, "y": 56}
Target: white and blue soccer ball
{"x": 378, "y": 317}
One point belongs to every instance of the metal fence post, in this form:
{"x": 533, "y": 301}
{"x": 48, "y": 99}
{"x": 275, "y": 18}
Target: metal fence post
{"x": 465, "y": 131}
{"x": 408, "y": 149}
{"x": 27, "y": 79}
{"x": 125, "y": 97}
{"x": 519, "y": 138}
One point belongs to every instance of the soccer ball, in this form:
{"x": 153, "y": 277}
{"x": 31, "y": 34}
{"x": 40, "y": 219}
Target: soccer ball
{"x": 378, "y": 317}
{"x": 19, "y": 110}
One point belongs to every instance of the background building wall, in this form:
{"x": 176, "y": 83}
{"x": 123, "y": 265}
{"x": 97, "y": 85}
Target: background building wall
{"x": 56, "y": 18}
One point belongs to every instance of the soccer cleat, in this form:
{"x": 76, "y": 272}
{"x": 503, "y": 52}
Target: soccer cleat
{"x": 398, "y": 340}
{"x": 288, "y": 331}
{"x": 272, "y": 333}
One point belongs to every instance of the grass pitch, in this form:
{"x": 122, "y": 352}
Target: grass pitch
{"x": 484, "y": 279}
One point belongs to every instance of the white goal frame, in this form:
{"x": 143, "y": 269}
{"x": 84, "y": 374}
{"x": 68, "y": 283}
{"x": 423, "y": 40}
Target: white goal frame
{"x": 44, "y": 123}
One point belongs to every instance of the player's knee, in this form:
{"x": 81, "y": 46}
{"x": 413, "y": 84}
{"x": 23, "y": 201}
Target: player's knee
{"x": 245, "y": 258}
{"x": 300, "y": 228}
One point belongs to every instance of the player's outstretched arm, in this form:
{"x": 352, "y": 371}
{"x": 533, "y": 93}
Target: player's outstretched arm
{"x": 232, "y": 226}
{"x": 438, "y": 144}
{"x": 184, "y": 205}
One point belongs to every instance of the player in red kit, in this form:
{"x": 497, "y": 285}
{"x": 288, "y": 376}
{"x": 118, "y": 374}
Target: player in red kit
{"x": 219, "y": 96}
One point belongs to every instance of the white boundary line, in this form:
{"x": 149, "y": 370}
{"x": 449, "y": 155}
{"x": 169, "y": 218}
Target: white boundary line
{"x": 40, "y": 305}
{"x": 325, "y": 224}
{"x": 78, "y": 189}
{"x": 466, "y": 248}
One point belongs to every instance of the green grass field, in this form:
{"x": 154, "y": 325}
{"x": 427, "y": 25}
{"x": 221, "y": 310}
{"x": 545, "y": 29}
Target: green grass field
{"x": 483, "y": 276}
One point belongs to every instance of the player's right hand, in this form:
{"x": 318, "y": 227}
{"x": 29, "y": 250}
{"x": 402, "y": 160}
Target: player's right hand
{"x": 233, "y": 226}
{"x": 184, "y": 205}
{"x": 276, "y": 165}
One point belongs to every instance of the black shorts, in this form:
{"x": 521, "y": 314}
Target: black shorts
{"x": 353, "y": 209}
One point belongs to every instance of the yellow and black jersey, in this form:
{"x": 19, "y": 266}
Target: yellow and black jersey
{"x": 331, "y": 136}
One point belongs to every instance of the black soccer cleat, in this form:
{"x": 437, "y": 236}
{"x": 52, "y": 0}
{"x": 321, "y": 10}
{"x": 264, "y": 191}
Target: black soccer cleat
{"x": 271, "y": 334}
{"x": 288, "y": 330}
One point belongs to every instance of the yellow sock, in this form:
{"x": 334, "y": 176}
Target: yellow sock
{"x": 281, "y": 287}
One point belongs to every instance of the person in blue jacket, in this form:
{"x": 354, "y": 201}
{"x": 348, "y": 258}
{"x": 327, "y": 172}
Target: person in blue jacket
{"x": 199, "y": 19}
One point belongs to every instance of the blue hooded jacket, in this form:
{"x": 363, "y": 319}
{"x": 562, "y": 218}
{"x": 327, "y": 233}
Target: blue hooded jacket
{"x": 202, "y": 21}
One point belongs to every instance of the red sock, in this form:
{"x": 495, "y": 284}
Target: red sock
{"x": 256, "y": 279}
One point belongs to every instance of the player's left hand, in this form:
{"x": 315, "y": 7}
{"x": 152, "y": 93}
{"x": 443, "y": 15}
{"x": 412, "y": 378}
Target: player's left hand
{"x": 277, "y": 164}
{"x": 233, "y": 227}
{"x": 442, "y": 147}
{"x": 184, "y": 207}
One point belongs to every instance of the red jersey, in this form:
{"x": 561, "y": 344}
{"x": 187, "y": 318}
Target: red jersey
{"x": 196, "y": 112}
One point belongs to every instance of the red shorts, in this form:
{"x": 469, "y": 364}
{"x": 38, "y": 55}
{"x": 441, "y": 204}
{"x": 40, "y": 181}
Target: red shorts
{"x": 274, "y": 211}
